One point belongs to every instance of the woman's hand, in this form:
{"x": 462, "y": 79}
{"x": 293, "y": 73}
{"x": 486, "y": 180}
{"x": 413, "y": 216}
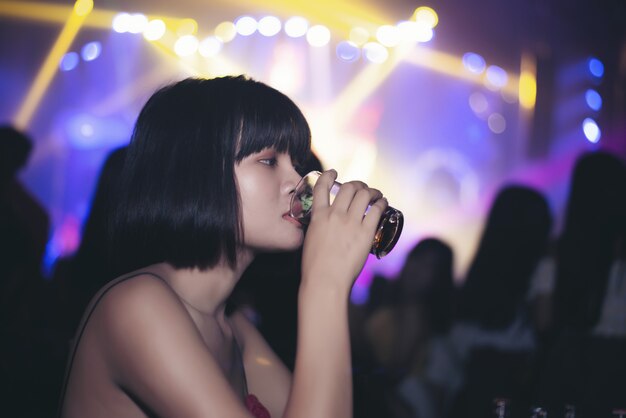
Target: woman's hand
{"x": 339, "y": 236}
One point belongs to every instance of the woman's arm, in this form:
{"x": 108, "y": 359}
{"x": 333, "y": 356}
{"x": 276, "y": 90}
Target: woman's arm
{"x": 336, "y": 246}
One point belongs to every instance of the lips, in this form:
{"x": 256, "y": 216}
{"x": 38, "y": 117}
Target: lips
{"x": 288, "y": 218}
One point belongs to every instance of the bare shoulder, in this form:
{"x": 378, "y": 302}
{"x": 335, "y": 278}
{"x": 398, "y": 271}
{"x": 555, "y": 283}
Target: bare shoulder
{"x": 130, "y": 310}
{"x": 139, "y": 296}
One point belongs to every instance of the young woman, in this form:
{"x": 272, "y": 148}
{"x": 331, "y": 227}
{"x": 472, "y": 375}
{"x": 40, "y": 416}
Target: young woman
{"x": 206, "y": 185}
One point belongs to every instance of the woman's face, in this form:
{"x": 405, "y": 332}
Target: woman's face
{"x": 266, "y": 181}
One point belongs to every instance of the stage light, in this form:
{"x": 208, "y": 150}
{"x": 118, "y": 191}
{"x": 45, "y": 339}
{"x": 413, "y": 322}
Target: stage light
{"x": 318, "y": 35}
{"x": 388, "y": 35}
{"x": 593, "y": 99}
{"x": 83, "y": 7}
{"x": 137, "y": 23}
{"x": 225, "y": 31}
{"x": 496, "y": 123}
{"x": 246, "y": 25}
{"x": 596, "y": 68}
{"x": 375, "y": 52}
{"x": 426, "y": 16}
{"x": 121, "y": 22}
{"x": 348, "y": 51}
{"x": 527, "y": 89}
{"x": 210, "y": 47}
{"x": 269, "y": 26}
{"x": 187, "y": 27}
{"x": 69, "y": 61}
{"x": 48, "y": 69}
{"x": 591, "y": 130}
{"x": 496, "y": 76}
{"x": 424, "y": 33}
{"x": 409, "y": 31}
{"x": 186, "y": 45}
{"x": 154, "y": 30}
{"x": 296, "y": 27}
{"x": 91, "y": 51}
{"x": 359, "y": 36}
{"x": 478, "y": 102}
{"x": 474, "y": 63}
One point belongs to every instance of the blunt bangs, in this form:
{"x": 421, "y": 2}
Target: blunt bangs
{"x": 269, "y": 119}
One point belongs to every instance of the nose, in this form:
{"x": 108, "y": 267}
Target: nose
{"x": 292, "y": 179}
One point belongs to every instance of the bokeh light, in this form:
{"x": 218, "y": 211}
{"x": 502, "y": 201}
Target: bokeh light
{"x": 187, "y": 27}
{"x": 269, "y": 26}
{"x": 596, "y": 68}
{"x": 496, "y": 123}
{"x": 426, "y": 16}
{"x": 591, "y": 130}
{"x": 226, "y": 31}
{"x": 83, "y": 7}
{"x": 474, "y": 63}
{"x": 296, "y": 27}
{"x": 359, "y": 36}
{"x": 246, "y": 25}
{"x": 375, "y": 52}
{"x": 496, "y": 77}
{"x": 318, "y": 35}
{"x": 137, "y": 23}
{"x": 409, "y": 31}
{"x": 210, "y": 47}
{"x": 478, "y": 103}
{"x": 593, "y": 99}
{"x": 424, "y": 33}
{"x": 186, "y": 45}
{"x": 348, "y": 51}
{"x": 69, "y": 61}
{"x": 154, "y": 30}
{"x": 90, "y": 51}
{"x": 121, "y": 22}
{"x": 388, "y": 35}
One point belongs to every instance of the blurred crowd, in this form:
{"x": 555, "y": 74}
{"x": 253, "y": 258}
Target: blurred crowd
{"x": 537, "y": 326}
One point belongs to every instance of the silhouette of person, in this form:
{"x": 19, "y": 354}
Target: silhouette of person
{"x": 405, "y": 330}
{"x": 585, "y": 364}
{"x": 79, "y": 277}
{"x": 493, "y": 335}
{"x": 27, "y": 349}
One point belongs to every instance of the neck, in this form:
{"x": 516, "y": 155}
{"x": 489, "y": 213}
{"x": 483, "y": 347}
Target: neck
{"x": 204, "y": 291}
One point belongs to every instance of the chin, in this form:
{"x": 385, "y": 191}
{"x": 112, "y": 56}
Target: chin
{"x": 286, "y": 243}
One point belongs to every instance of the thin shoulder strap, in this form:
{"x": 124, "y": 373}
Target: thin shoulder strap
{"x": 83, "y": 324}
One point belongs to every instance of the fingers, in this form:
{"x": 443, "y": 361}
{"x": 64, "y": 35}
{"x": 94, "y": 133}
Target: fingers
{"x": 362, "y": 199}
{"x": 347, "y": 193}
{"x": 321, "y": 190}
{"x": 376, "y": 211}
{"x": 353, "y": 198}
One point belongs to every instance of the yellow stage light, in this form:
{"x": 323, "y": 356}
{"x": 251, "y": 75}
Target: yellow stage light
{"x": 50, "y": 65}
{"x": 225, "y": 31}
{"x": 426, "y": 16}
{"x": 83, "y": 7}
{"x": 527, "y": 89}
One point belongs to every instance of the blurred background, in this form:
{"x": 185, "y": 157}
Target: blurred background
{"x": 438, "y": 104}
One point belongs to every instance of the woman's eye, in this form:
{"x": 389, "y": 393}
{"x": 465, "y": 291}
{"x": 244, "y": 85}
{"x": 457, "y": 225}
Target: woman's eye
{"x": 268, "y": 161}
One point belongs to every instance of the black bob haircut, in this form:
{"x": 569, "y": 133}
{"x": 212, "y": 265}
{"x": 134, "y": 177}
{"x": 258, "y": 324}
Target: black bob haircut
{"x": 177, "y": 199}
